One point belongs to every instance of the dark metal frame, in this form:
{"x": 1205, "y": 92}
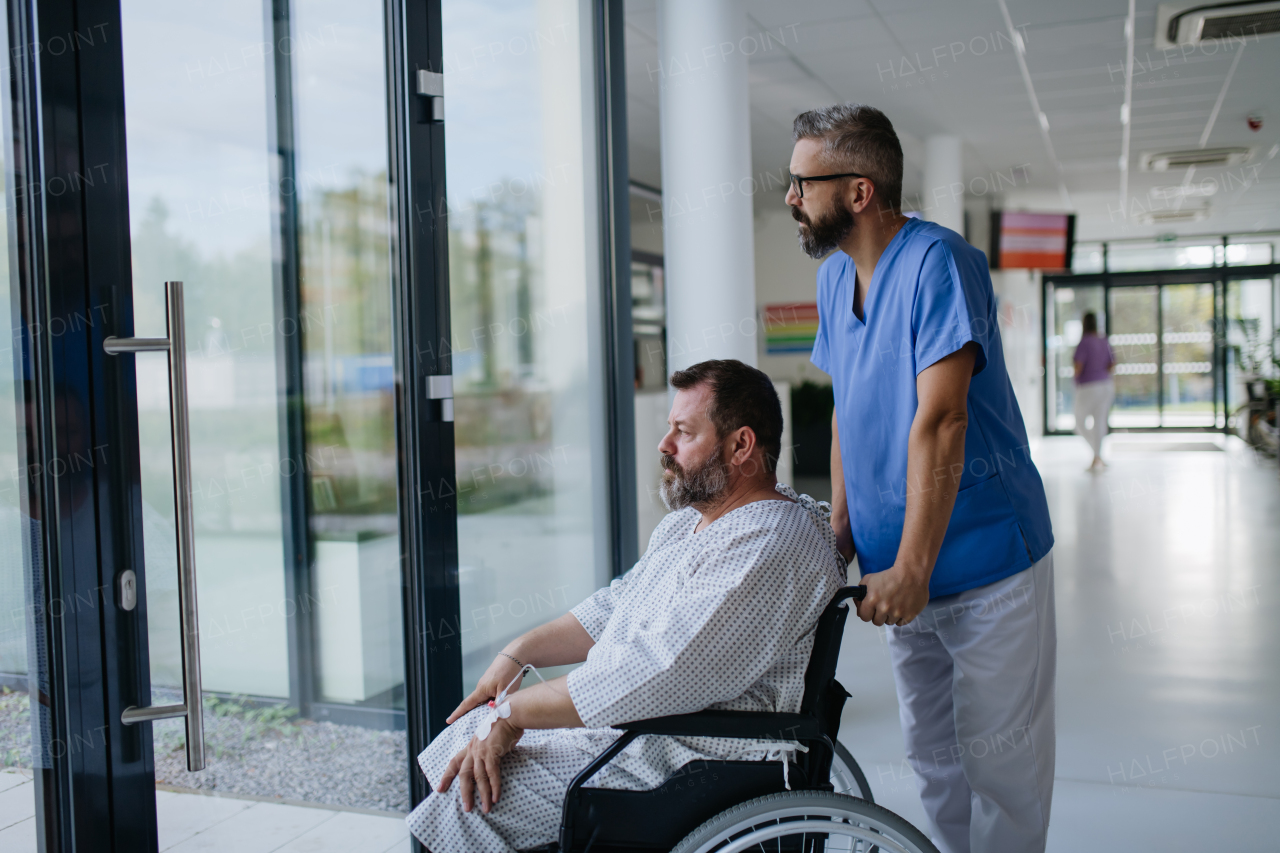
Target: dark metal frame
{"x": 286, "y": 265}
{"x": 615, "y": 243}
{"x": 72, "y": 260}
{"x": 428, "y": 507}
{"x": 1220, "y": 275}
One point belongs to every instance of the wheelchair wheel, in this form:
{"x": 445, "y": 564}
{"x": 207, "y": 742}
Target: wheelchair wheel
{"x": 846, "y": 776}
{"x": 805, "y": 821}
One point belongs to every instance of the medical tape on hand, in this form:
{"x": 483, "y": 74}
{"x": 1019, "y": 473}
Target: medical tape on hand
{"x": 499, "y": 707}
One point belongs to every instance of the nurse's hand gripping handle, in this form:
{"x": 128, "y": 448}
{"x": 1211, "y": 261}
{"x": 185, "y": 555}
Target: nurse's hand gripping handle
{"x": 857, "y": 593}
{"x": 191, "y": 708}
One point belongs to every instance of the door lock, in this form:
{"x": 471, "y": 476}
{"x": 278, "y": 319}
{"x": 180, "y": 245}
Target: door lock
{"x": 128, "y": 589}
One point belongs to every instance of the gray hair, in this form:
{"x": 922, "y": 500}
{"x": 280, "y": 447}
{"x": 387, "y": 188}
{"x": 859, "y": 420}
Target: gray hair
{"x": 857, "y": 138}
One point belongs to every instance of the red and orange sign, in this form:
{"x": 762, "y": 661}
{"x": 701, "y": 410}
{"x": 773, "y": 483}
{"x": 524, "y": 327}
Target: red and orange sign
{"x": 1035, "y": 241}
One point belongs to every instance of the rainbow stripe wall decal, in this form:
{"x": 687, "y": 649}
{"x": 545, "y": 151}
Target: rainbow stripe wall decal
{"x": 790, "y": 327}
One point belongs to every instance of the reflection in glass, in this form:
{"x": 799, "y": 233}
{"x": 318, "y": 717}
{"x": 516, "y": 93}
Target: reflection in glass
{"x": 25, "y": 725}
{"x": 1251, "y": 338}
{"x": 1134, "y": 339}
{"x": 204, "y": 206}
{"x": 524, "y": 281}
{"x": 345, "y": 243}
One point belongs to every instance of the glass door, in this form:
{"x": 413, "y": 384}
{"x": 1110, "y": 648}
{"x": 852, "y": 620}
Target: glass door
{"x": 258, "y": 176}
{"x": 1066, "y": 306}
{"x": 1134, "y": 334}
{"x": 285, "y": 163}
{"x": 1187, "y": 355}
{"x": 1252, "y": 351}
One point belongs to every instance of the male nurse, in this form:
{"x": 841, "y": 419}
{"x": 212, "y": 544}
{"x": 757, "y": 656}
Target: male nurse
{"x": 933, "y": 487}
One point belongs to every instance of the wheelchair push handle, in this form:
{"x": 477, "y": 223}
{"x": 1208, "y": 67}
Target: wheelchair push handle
{"x": 857, "y": 593}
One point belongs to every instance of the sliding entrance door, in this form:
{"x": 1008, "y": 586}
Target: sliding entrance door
{"x": 1173, "y": 348}
{"x": 1134, "y": 334}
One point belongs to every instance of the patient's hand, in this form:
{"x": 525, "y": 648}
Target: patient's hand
{"x": 495, "y": 678}
{"x": 478, "y": 767}
{"x": 894, "y": 596}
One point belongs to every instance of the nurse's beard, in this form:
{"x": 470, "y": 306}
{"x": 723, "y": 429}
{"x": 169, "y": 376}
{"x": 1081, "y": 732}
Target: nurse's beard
{"x": 819, "y": 238}
{"x": 701, "y": 486}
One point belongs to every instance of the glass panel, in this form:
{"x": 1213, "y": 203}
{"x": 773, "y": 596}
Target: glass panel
{"x": 649, "y": 326}
{"x": 1067, "y": 306}
{"x": 524, "y": 281}
{"x": 202, "y": 192}
{"x": 1243, "y": 254}
{"x": 1187, "y": 355}
{"x": 1134, "y": 340}
{"x": 1251, "y": 338}
{"x": 1086, "y": 257}
{"x": 342, "y": 149}
{"x": 24, "y": 674}
{"x": 1123, "y": 258}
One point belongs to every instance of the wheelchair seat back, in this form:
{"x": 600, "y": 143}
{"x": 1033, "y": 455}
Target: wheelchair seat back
{"x": 603, "y": 820}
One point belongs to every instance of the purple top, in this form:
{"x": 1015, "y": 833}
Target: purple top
{"x": 1094, "y": 353}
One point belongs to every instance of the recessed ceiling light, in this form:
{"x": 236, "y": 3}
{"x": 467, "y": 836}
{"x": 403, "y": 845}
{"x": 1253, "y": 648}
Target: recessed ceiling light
{"x": 1160, "y": 161}
{"x": 1164, "y": 217}
{"x": 1203, "y": 189}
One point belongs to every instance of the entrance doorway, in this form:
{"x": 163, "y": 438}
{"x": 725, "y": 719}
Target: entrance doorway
{"x": 254, "y": 589}
{"x": 1176, "y": 338}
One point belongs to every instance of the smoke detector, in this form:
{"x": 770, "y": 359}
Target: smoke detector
{"x": 1193, "y": 23}
{"x": 1204, "y": 158}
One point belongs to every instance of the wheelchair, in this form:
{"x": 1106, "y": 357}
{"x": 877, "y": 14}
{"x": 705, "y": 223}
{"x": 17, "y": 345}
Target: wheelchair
{"x": 729, "y": 806}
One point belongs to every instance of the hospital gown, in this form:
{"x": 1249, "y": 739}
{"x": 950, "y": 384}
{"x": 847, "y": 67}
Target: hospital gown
{"x": 722, "y": 618}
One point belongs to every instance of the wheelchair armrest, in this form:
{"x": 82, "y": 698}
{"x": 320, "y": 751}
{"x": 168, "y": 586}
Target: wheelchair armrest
{"x": 753, "y": 725}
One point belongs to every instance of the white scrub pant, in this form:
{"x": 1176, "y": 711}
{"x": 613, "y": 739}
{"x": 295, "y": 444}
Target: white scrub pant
{"x": 1093, "y": 399}
{"x": 975, "y": 676}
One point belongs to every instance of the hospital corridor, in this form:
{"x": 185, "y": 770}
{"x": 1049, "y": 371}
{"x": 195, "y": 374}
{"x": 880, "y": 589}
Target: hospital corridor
{"x": 1165, "y": 582}
{"x": 640, "y": 426}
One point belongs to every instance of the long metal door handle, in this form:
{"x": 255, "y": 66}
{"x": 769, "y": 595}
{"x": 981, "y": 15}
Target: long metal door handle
{"x": 192, "y": 707}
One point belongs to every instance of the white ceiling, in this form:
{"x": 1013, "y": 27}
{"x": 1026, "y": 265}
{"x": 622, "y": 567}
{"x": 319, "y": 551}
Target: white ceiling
{"x": 865, "y": 51}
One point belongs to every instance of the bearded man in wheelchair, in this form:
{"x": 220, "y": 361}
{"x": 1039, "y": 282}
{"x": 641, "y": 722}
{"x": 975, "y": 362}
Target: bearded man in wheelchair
{"x": 719, "y": 613}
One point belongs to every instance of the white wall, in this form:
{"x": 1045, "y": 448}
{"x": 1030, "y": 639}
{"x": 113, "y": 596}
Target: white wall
{"x": 783, "y": 274}
{"x": 786, "y": 274}
{"x": 1018, "y": 292}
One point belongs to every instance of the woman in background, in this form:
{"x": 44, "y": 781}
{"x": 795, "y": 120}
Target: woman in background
{"x": 1094, "y": 389}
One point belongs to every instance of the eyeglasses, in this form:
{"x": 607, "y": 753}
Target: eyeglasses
{"x": 798, "y": 181}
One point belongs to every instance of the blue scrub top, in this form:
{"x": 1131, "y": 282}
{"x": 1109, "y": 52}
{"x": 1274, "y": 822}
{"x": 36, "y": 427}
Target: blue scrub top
{"x": 930, "y": 295}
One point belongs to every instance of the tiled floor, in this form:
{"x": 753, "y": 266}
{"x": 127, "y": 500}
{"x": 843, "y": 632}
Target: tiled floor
{"x": 1168, "y": 574}
{"x": 193, "y": 822}
{"x": 1167, "y": 578}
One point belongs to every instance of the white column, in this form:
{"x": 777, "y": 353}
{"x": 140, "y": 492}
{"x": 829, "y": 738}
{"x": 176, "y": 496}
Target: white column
{"x": 707, "y": 186}
{"x": 944, "y": 182}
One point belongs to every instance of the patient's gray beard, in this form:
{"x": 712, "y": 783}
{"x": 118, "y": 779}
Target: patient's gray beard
{"x": 703, "y": 485}
{"x": 823, "y": 236}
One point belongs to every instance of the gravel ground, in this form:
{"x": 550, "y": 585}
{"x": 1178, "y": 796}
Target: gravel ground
{"x": 15, "y": 729}
{"x": 261, "y": 752}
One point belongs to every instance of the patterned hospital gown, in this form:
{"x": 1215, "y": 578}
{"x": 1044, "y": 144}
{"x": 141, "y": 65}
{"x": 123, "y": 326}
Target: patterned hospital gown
{"x": 722, "y": 618}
